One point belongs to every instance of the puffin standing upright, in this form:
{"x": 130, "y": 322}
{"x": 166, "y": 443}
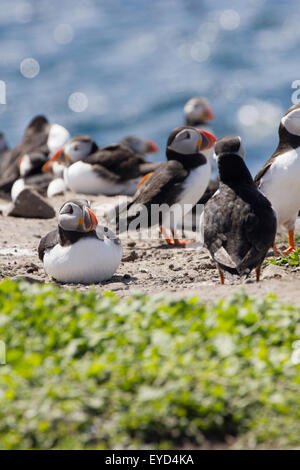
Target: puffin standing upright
{"x": 279, "y": 178}
{"x": 238, "y": 222}
{"x": 176, "y": 185}
{"x": 198, "y": 112}
{"x": 111, "y": 170}
{"x": 76, "y": 252}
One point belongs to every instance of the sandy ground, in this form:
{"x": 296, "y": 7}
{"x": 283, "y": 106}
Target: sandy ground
{"x": 148, "y": 266}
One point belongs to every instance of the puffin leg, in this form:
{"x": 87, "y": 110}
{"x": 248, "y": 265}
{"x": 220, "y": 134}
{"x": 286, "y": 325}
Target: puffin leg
{"x": 275, "y": 249}
{"x": 257, "y": 272}
{"x": 169, "y": 241}
{"x": 291, "y": 243}
{"x": 142, "y": 181}
{"x": 221, "y": 276}
{"x": 178, "y": 242}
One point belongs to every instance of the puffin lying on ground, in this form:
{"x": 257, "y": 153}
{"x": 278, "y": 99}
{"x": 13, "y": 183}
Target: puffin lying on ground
{"x": 76, "y": 252}
{"x": 115, "y": 169}
{"x": 238, "y": 222}
{"x": 40, "y": 140}
{"x": 279, "y": 178}
{"x": 176, "y": 184}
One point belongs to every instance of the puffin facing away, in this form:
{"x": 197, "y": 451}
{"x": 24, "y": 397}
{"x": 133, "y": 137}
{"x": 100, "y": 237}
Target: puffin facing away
{"x": 238, "y": 222}
{"x": 76, "y": 252}
{"x": 279, "y": 178}
{"x": 115, "y": 169}
{"x": 175, "y": 186}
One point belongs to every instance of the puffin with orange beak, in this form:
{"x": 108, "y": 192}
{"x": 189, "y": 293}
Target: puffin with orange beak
{"x": 115, "y": 169}
{"x": 175, "y": 186}
{"x": 80, "y": 251}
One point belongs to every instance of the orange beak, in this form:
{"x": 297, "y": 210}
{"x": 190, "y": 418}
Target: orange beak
{"x": 57, "y": 157}
{"x": 20, "y": 161}
{"x": 210, "y": 138}
{"x": 93, "y": 218}
{"x": 209, "y": 114}
{"x": 152, "y": 147}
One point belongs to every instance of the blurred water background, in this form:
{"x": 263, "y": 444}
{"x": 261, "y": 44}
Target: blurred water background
{"x": 111, "y": 68}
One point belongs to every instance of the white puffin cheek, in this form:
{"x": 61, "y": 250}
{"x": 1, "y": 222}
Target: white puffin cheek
{"x": 292, "y": 124}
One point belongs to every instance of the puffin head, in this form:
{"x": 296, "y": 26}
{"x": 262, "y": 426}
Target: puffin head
{"x": 31, "y": 163}
{"x": 139, "y": 145}
{"x": 230, "y": 145}
{"x": 197, "y": 111}
{"x": 75, "y": 149}
{"x": 77, "y": 216}
{"x": 291, "y": 120}
{"x": 188, "y": 140}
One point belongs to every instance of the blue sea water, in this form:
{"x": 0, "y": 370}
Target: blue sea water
{"x": 136, "y": 62}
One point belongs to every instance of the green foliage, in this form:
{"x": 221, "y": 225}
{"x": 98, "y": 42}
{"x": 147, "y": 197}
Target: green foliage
{"x": 292, "y": 259}
{"x": 85, "y": 372}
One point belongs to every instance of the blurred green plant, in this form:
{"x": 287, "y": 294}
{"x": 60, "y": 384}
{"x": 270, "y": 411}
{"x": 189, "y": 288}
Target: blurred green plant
{"x": 90, "y": 372}
{"x": 291, "y": 260}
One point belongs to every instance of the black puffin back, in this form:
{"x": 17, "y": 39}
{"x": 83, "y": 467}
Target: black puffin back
{"x": 239, "y": 222}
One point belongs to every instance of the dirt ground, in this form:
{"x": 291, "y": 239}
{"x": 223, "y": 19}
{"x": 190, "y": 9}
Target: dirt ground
{"x": 148, "y": 266}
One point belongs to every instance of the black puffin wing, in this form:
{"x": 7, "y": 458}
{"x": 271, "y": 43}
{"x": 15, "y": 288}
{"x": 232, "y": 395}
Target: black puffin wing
{"x": 264, "y": 169}
{"x": 161, "y": 186}
{"x": 47, "y": 242}
{"x": 119, "y": 160}
{"x": 105, "y": 173}
{"x": 217, "y": 214}
{"x": 36, "y": 134}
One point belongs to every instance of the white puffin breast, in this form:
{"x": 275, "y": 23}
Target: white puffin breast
{"x": 17, "y": 187}
{"x": 56, "y": 186}
{"x": 88, "y": 261}
{"x": 80, "y": 177}
{"x": 193, "y": 189}
{"x": 280, "y": 185}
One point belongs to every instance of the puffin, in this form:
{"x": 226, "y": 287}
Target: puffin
{"x": 115, "y": 169}
{"x": 279, "y": 177}
{"x": 175, "y": 186}
{"x": 198, "y": 112}
{"x": 30, "y": 166}
{"x": 238, "y": 223}
{"x": 78, "y": 251}
{"x": 41, "y": 140}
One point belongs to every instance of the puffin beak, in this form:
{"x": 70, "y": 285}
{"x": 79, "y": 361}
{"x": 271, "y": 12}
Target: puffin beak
{"x": 208, "y": 141}
{"x": 152, "y": 147}
{"x": 209, "y": 114}
{"x": 90, "y": 220}
{"x": 20, "y": 161}
{"x": 59, "y": 156}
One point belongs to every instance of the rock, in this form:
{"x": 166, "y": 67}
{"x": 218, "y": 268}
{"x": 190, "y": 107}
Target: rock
{"x": 272, "y": 271}
{"x": 131, "y": 257}
{"x": 29, "y": 204}
{"x": 131, "y": 244}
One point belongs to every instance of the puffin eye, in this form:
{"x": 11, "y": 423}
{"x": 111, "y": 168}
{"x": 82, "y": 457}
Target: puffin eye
{"x": 76, "y": 148}
{"x": 188, "y": 135}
